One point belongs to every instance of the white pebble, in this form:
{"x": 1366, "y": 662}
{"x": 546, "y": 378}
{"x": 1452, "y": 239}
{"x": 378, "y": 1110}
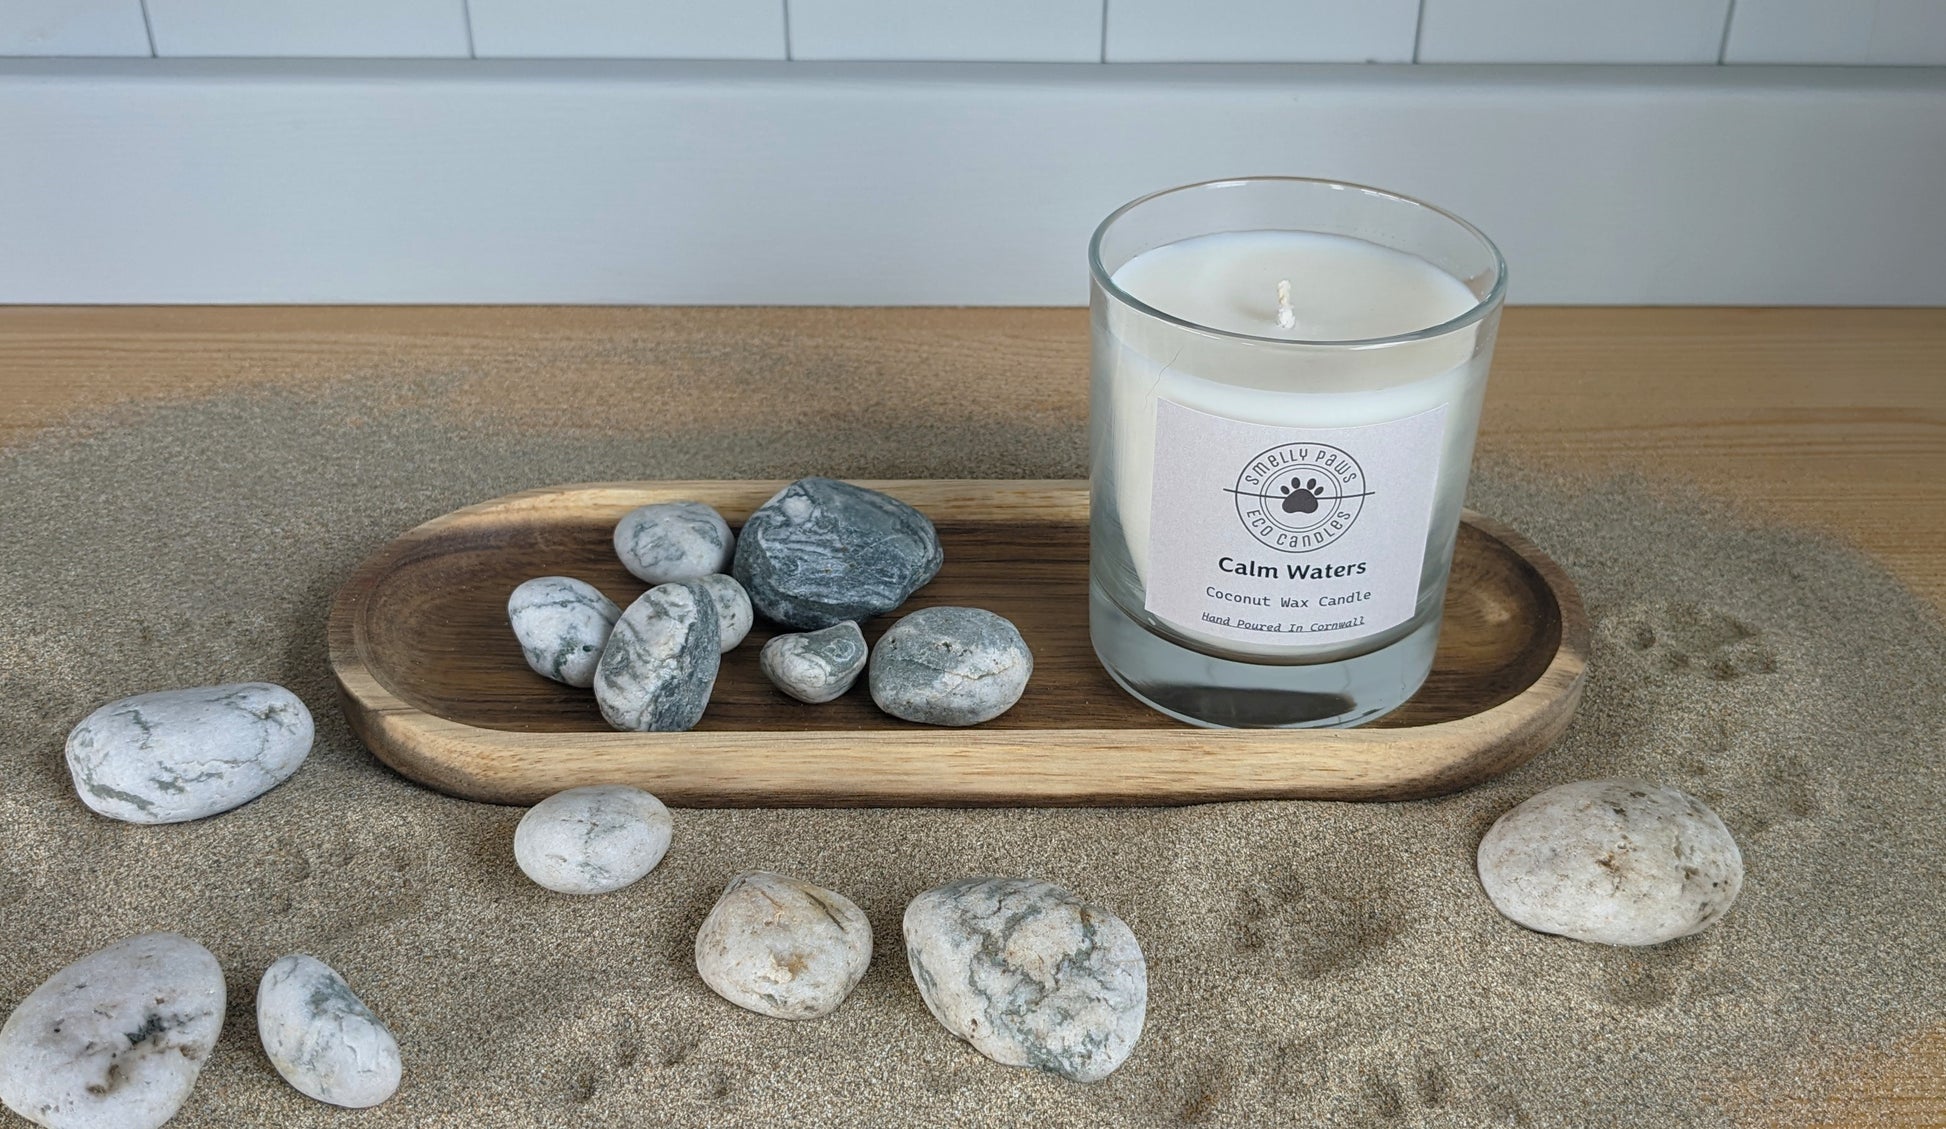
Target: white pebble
{"x": 783, "y": 947}
{"x": 674, "y": 541}
{"x": 322, "y": 1038}
{"x": 733, "y": 612}
{"x": 1617, "y": 862}
{"x": 562, "y": 624}
{"x": 592, "y": 840}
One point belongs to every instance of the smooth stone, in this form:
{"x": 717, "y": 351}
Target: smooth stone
{"x": 562, "y": 624}
{"x": 592, "y": 840}
{"x": 670, "y": 541}
{"x": 1617, "y": 862}
{"x": 950, "y": 666}
{"x": 660, "y": 664}
{"x": 784, "y": 947}
{"x": 733, "y": 612}
{"x": 822, "y": 551}
{"x": 176, "y": 755}
{"x": 322, "y": 1038}
{"x": 815, "y": 666}
{"x": 116, "y": 1039}
{"x": 1029, "y": 974}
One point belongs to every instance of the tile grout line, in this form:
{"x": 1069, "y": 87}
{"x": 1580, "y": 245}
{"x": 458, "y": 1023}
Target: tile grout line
{"x": 788, "y": 55}
{"x": 1418, "y": 30}
{"x": 466, "y": 13}
{"x": 1723, "y": 48}
{"x": 148, "y": 27}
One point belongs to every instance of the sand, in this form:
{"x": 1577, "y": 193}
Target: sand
{"x": 1310, "y": 963}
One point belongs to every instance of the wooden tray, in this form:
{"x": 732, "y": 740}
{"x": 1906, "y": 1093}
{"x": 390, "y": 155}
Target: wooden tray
{"x": 432, "y": 680}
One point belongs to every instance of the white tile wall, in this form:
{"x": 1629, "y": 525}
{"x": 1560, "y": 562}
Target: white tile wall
{"x": 1261, "y": 31}
{"x": 628, "y": 29}
{"x": 311, "y": 28}
{"x": 1572, "y": 31}
{"x": 1895, "y": 32}
{"x": 968, "y": 30}
{"x": 72, "y": 27}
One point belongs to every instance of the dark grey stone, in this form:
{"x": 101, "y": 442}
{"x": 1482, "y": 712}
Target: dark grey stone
{"x": 950, "y": 666}
{"x": 823, "y": 551}
{"x": 1029, "y": 974}
{"x": 815, "y": 666}
{"x": 660, "y": 664}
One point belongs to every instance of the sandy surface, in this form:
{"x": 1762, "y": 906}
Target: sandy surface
{"x": 1310, "y": 963}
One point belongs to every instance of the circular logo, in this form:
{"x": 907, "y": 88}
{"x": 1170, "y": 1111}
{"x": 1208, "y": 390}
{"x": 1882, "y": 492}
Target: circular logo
{"x": 1300, "y": 496}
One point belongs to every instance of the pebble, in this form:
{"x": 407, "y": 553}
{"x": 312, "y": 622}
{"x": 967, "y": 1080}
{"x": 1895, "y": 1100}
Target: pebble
{"x": 116, "y": 1039}
{"x": 592, "y": 840}
{"x": 562, "y": 624}
{"x": 670, "y": 541}
{"x": 822, "y": 551}
{"x": 950, "y": 666}
{"x": 815, "y": 666}
{"x": 1029, "y": 974}
{"x": 177, "y": 755}
{"x": 1617, "y": 862}
{"x": 322, "y": 1038}
{"x": 783, "y": 947}
{"x": 660, "y": 664}
{"x": 733, "y": 612}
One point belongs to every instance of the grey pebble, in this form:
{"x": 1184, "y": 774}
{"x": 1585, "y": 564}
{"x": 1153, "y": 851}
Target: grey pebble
{"x": 950, "y": 666}
{"x": 733, "y": 613}
{"x": 668, "y": 541}
{"x": 562, "y": 624}
{"x": 1029, "y": 974}
{"x": 177, "y": 755}
{"x": 815, "y": 666}
{"x": 782, "y": 946}
{"x": 1617, "y": 862}
{"x": 322, "y": 1038}
{"x": 822, "y": 551}
{"x": 115, "y": 1040}
{"x": 592, "y": 840}
{"x": 660, "y": 664}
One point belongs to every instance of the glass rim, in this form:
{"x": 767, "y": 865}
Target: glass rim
{"x": 1474, "y": 314}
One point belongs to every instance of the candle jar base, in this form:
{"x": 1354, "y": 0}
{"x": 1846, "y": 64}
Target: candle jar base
{"x": 1220, "y": 693}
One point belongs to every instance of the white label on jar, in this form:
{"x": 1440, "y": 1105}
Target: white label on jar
{"x": 1286, "y": 535}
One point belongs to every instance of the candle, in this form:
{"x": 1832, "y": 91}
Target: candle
{"x": 1283, "y": 423}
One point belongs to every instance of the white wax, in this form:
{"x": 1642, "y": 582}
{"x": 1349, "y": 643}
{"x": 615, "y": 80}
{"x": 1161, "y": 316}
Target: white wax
{"x": 1341, "y": 289}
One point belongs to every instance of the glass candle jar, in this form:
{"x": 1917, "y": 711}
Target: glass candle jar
{"x": 1286, "y": 388}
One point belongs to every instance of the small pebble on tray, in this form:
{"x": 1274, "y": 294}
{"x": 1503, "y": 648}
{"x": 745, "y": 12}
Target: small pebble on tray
{"x": 562, "y": 624}
{"x": 822, "y": 551}
{"x": 950, "y": 666}
{"x": 815, "y": 666}
{"x": 674, "y": 541}
{"x": 733, "y": 611}
{"x": 660, "y": 664}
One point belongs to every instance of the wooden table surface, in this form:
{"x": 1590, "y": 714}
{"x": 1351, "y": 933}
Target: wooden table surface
{"x": 1834, "y": 419}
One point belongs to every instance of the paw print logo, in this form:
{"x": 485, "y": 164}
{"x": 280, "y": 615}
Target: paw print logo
{"x": 1301, "y": 497}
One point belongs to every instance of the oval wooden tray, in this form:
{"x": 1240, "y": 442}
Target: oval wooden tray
{"x": 431, "y": 679}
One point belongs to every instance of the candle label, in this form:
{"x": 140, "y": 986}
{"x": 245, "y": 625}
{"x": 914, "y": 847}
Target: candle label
{"x": 1301, "y": 536}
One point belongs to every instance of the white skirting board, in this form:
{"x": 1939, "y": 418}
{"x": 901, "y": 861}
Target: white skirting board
{"x": 932, "y": 184}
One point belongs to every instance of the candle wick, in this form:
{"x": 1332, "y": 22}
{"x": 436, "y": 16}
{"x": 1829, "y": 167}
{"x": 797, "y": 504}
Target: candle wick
{"x": 1286, "y": 317}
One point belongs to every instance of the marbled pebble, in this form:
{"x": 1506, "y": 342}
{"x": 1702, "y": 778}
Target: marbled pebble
{"x": 733, "y": 613}
{"x": 674, "y": 541}
{"x": 562, "y": 624}
{"x": 815, "y": 666}
{"x": 822, "y": 551}
{"x": 115, "y": 1040}
{"x": 1029, "y": 974}
{"x": 1618, "y": 862}
{"x": 783, "y": 947}
{"x": 660, "y": 664}
{"x": 592, "y": 840}
{"x": 322, "y": 1038}
{"x": 176, "y": 755}
{"x": 950, "y": 666}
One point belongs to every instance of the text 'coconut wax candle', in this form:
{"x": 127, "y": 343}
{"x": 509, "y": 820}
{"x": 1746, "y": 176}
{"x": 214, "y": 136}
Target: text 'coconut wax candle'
{"x": 1287, "y": 383}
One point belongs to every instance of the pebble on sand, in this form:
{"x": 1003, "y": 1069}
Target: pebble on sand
{"x": 592, "y": 840}
{"x": 322, "y": 1038}
{"x": 1616, "y": 862}
{"x": 782, "y": 946}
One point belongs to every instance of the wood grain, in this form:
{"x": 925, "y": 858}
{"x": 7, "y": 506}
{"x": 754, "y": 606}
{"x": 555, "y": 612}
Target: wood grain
{"x": 1772, "y": 407}
{"x": 432, "y": 681}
